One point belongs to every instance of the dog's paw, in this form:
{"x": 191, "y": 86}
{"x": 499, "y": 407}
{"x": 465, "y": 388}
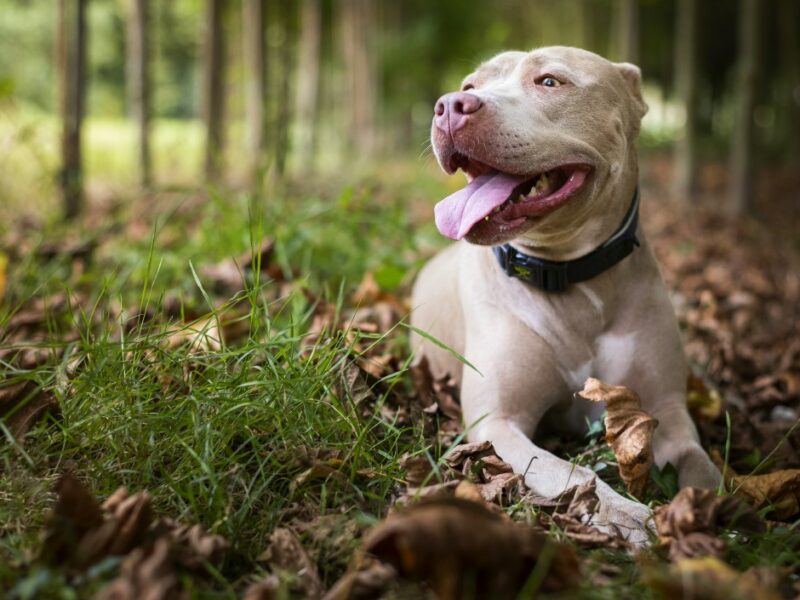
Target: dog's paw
{"x": 696, "y": 470}
{"x": 632, "y": 520}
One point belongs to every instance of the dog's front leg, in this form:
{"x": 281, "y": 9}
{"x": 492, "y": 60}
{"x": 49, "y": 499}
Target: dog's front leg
{"x": 547, "y": 475}
{"x": 504, "y": 403}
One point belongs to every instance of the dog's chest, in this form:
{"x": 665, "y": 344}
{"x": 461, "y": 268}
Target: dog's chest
{"x": 576, "y": 329}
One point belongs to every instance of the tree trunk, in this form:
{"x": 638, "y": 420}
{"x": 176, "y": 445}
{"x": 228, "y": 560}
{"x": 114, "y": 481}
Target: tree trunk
{"x": 742, "y": 154}
{"x": 308, "y": 82}
{"x": 790, "y": 57}
{"x": 284, "y": 113}
{"x": 628, "y": 30}
{"x": 138, "y": 75}
{"x": 72, "y": 79}
{"x": 214, "y": 89}
{"x": 253, "y": 22}
{"x": 686, "y": 90}
{"x": 356, "y": 24}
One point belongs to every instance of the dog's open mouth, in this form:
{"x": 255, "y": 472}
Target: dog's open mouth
{"x": 506, "y": 200}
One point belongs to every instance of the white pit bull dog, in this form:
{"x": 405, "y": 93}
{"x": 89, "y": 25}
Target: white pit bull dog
{"x": 558, "y": 282}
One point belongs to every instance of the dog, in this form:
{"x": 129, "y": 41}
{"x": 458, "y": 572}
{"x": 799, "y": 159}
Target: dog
{"x": 553, "y": 280}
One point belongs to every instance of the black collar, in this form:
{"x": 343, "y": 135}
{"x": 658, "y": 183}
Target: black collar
{"x": 554, "y": 276}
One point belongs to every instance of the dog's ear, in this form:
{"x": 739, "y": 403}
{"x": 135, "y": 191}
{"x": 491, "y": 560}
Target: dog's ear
{"x": 633, "y": 79}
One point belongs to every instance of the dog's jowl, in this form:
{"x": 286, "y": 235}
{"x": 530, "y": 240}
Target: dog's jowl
{"x": 553, "y": 280}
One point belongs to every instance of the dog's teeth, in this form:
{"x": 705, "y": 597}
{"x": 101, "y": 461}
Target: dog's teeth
{"x": 542, "y": 184}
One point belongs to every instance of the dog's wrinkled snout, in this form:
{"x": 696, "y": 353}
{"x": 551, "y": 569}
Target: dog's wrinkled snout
{"x": 452, "y": 110}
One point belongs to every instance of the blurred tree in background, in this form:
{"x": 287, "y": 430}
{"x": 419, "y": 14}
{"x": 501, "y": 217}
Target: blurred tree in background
{"x": 298, "y": 87}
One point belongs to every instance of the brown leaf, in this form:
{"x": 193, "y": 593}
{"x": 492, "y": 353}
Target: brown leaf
{"x": 572, "y": 512}
{"x": 702, "y": 402}
{"x": 442, "y": 541}
{"x": 192, "y": 546}
{"x": 201, "y": 336}
{"x": 266, "y": 589}
{"x": 629, "y": 431}
{"x": 418, "y": 469}
{"x": 368, "y": 581}
{"x": 708, "y": 578}
{"x": 367, "y": 292}
{"x": 286, "y": 553}
{"x": 690, "y": 523}
{"x": 779, "y": 490}
{"x": 75, "y": 514}
{"x": 147, "y": 573}
{"x": 226, "y": 276}
{"x": 22, "y": 404}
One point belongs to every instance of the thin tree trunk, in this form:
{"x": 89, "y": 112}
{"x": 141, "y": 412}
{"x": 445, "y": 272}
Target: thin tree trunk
{"x": 686, "y": 90}
{"x": 356, "y": 25}
{"x": 253, "y": 18}
{"x": 742, "y": 154}
{"x": 628, "y": 30}
{"x": 308, "y": 82}
{"x": 214, "y": 89}
{"x": 284, "y": 114}
{"x": 72, "y": 79}
{"x": 138, "y": 67}
{"x": 790, "y": 55}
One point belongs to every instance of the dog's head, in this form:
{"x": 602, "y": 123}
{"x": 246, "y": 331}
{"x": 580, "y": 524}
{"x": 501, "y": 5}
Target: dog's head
{"x": 547, "y": 141}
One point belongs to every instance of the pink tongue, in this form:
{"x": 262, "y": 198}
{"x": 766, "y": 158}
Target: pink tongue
{"x": 456, "y": 214}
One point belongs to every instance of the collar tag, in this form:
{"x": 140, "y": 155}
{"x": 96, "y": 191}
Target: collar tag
{"x": 557, "y": 276}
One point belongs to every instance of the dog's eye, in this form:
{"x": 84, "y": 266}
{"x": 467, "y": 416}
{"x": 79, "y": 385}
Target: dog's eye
{"x": 467, "y": 86}
{"x": 549, "y": 81}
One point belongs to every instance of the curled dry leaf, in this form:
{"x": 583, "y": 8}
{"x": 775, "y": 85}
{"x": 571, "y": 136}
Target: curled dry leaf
{"x": 491, "y": 479}
{"x": 451, "y": 541}
{"x": 286, "y": 553}
{"x": 708, "y": 578}
{"x": 79, "y": 532}
{"x": 573, "y": 510}
{"x": 629, "y": 431}
{"x": 369, "y": 580}
{"x": 22, "y": 404}
{"x": 779, "y": 490}
{"x": 192, "y": 546}
{"x": 690, "y": 523}
{"x": 148, "y": 572}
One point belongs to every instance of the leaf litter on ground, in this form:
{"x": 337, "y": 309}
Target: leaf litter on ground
{"x": 751, "y": 372}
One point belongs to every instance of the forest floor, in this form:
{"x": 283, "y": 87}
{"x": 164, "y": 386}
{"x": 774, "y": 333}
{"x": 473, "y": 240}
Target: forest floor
{"x": 240, "y": 365}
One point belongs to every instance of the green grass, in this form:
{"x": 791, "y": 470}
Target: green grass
{"x": 216, "y": 438}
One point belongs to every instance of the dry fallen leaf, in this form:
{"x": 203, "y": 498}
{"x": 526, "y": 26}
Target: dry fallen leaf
{"x": 286, "y": 553}
{"x": 572, "y": 512}
{"x": 449, "y": 542}
{"x": 708, "y": 578}
{"x": 629, "y": 431}
{"x": 780, "y": 490}
{"x": 369, "y": 580}
{"x": 203, "y": 335}
{"x": 147, "y": 573}
{"x": 690, "y": 523}
{"x": 22, "y": 404}
{"x": 192, "y": 546}
{"x": 702, "y": 402}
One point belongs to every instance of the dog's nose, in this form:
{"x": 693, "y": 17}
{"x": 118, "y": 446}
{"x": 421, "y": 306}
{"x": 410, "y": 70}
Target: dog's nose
{"x": 452, "y": 110}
